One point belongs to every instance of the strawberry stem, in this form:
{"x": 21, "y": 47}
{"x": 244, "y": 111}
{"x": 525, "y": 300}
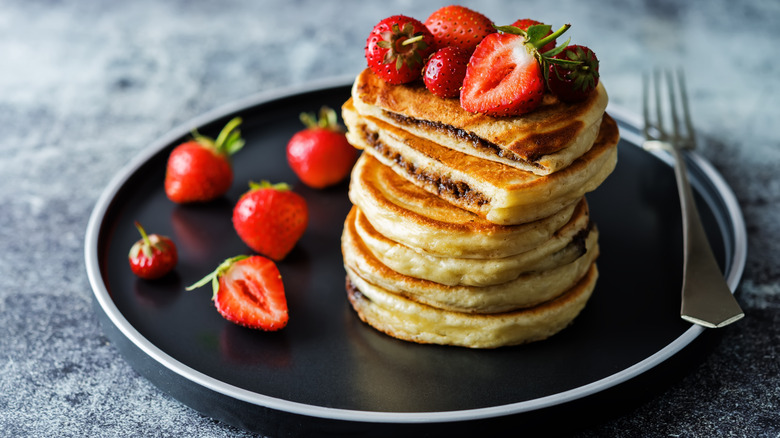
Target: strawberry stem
{"x": 146, "y": 248}
{"x": 143, "y": 233}
{"x": 552, "y": 36}
{"x": 213, "y": 277}
{"x": 412, "y": 40}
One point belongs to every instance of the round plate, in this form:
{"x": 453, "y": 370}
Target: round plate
{"x": 329, "y": 372}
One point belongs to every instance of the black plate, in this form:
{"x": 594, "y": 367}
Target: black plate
{"x": 327, "y": 371}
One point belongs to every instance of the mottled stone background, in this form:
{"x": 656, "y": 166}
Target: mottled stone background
{"x": 86, "y": 85}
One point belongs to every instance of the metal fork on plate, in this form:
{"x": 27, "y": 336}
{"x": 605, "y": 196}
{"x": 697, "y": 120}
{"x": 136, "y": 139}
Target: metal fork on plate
{"x": 706, "y": 298}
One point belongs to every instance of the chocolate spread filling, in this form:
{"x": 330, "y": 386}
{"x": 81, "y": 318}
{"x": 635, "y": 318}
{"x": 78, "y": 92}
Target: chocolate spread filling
{"x": 581, "y": 236}
{"x": 476, "y": 141}
{"x": 354, "y": 291}
{"x": 445, "y": 187}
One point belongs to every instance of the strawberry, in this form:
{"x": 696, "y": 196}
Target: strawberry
{"x": 248, "y": 291}
{"x": 574, "y": 82}
{"x": 458, "y": 26}
{"x": 199, "y": 170}
{"x": 320, "y": 155}
{"x": 396, "y": 48}
{"x": 525, "y": 23}
{"x": 153, "y": 256}
{"x": 270, "y": 219}
{"x": 444, "y": 72}
{"x": 505, "y": 76}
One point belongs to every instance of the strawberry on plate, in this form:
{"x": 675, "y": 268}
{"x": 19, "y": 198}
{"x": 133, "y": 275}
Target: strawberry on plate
{"x": 270, "y": 219}
{"x": 444, "y": 72}
{"x": 397, "y": 47}
{"x": 199, "y": 170}
{"x": 320, "y": 155}
{"x": 152, "y": 256}
{"x": 574, "y": 81}
{"x": 458, "y": 26}
{"x": 506, "y": 73}
{"x": 248, "y": 291}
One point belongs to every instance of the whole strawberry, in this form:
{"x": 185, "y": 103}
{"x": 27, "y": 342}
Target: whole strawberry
{"x": 248, "y": 291}
{"x": 444, "y": 72}
{"x": 525, "y": 23}
{"x": 152, "y": 256}
{"x": 199, "y": 170}
{"x": 397, "y": 47}
{"x": 458, "y": 26}
{"x": 320, "y": 155}
{"x": 506, "y": 73}
{"x": 270, "y": 219}
{"x": 574, "y": 80}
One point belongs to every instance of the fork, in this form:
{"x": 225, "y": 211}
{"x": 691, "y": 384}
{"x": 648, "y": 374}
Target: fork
{"x": 706, "y": 297}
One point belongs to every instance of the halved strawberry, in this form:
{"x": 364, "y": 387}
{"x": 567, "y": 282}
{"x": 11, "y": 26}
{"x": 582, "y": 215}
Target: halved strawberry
{"x": 248, "y": 291}
{"x": 458, "y": 26}
{"x": 505, "y": 76}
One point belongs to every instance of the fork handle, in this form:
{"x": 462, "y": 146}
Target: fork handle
{"x": 706, "y": 297}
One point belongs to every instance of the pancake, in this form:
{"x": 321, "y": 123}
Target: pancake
{"x": 565, "y": 245}
{"x": 412, "y": 321}
{"x": 525, "y": 290}
{"x": 405, "y": 213}
{"x": 542, "y": 141}
{"x": 499, "y": 193}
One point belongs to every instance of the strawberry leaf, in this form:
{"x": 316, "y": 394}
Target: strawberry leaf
{"x": 537, "y": 32}
{"x": 510, "y": 29}
{"x": 213, "y": 277}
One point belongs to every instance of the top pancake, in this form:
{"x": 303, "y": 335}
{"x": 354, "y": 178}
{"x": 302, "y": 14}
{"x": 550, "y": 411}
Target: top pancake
{"x": 541, "y": 141}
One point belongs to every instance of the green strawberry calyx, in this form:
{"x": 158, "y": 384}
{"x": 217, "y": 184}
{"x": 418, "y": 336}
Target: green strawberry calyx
{"x": 327, "y": 120}
{"x": 146, "y": 244}
{"x": 228, "y": 142}
{"x": 213, "y": 277}
{"x": 584, "y": 73}
{"x": 536, "y": 36}
{"x": 268, "y": 185}
{"x": 403, "y": 46}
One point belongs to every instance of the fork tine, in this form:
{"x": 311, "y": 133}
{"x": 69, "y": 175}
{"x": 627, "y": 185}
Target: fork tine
{"x": 676, "y": 136}
{"x": 658, "y": 108}
{"x": 686, "y": 110}
{"x": 646, "y": 104}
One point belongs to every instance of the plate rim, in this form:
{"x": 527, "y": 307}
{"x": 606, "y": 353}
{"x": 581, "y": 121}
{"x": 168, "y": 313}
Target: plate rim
{"x": 102, "y": 296}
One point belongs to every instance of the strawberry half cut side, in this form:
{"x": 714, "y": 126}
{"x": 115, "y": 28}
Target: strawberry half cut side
{"x": 248, "y": 291}
{"x": 506, "y": 75}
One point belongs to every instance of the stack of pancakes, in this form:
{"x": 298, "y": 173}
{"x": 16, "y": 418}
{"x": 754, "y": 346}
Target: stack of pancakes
{"x": 467, "y": 229}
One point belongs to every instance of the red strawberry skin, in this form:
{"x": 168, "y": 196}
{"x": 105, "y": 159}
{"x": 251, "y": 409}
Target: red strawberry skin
{"x": 320, "y": 157}
{"x": 445, "y": 70}
{"x": 503, "y": 78}
{"x": 251, "y": 294}
{"x": 458, "y": 26}
{"x": 397, "y": 63}
{"x": 197, "y": 173}
{"x": 153, "y": 256}
{"x": 270, "y": 220}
